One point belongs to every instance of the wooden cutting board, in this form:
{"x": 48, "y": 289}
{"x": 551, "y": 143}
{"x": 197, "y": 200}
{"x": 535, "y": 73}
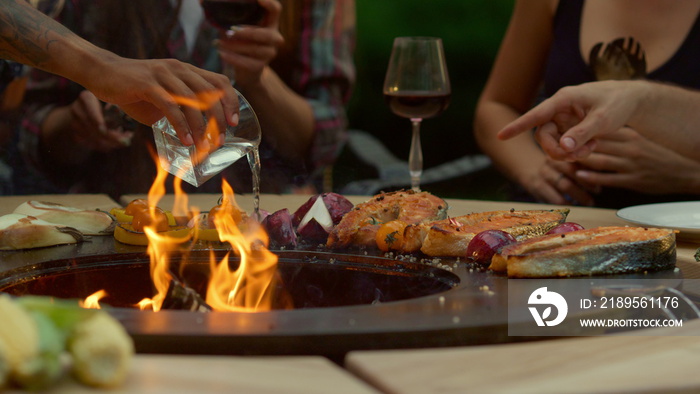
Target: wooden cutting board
{"x": 662, "y": 363}
{"x": 220, "y": 374}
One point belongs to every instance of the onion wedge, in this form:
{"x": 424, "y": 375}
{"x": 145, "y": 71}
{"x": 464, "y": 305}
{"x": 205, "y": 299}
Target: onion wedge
{"x": 19, "y": 231}
{"x": 88, "y": 222}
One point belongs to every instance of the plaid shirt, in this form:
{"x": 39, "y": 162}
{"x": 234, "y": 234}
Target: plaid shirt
{"x": 324, "y": 73}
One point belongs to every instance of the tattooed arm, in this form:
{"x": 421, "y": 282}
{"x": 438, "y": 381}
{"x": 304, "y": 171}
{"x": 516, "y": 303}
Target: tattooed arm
{"x": 144, "y": 89}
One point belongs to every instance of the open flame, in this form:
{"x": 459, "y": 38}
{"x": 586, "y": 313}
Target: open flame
{"x": 93, "y": 300}
{"x": 247, "y": 288}
{"x": 212, "y": 132}
{"x": 160, "y": 246}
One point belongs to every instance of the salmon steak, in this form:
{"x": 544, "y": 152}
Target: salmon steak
{"x": 359, "y": 226}
{"x": 450, "y": 237}
{"x": 595, "y": 251}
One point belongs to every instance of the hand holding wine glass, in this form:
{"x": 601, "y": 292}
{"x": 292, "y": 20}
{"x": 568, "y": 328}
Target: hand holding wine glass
{"x": 225, "y": 14}
{"x": 250, "y": 36}
{"x": 417, "y": 87}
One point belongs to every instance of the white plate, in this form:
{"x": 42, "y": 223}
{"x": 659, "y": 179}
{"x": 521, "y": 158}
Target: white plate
{"x": 681, "y": 216}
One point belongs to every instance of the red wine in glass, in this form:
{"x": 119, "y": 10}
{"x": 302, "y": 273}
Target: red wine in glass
{"x": 417, "y": 104}
{"x": 417, "y": 87}
{"x": 226, "y": 13}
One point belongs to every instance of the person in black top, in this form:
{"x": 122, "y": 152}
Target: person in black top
{"x": 546, "y": 47}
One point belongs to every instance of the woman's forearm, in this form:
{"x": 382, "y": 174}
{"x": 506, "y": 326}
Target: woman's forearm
{"x": 518, "y": 159}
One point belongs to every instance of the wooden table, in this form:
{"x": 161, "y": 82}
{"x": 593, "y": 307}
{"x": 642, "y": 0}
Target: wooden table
{"x": 607, "y": 364}
{"x": 664, "y": 362}
{"x": 169, "y": 374}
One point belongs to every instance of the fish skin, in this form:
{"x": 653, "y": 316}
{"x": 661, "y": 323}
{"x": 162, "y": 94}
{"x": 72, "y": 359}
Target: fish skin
{"x": 451, "y": 237}
{"x": 359, "y": 226}
{"x": 595, "y": 251}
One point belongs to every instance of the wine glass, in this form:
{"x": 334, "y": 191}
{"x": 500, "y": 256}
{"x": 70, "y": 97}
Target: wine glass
{"x": 225, "y": 15}
{"x": 417, "y": 87}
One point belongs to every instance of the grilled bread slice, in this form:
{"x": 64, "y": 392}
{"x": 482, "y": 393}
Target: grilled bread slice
{"x": 24, "y": 232}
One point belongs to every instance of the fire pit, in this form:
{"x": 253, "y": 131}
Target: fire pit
{"x": 307, "y": 279}
{"x": 341, "y": 302}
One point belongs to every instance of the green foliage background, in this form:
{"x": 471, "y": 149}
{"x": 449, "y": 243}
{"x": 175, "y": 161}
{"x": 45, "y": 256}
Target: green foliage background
{"x": 471, "y": 31}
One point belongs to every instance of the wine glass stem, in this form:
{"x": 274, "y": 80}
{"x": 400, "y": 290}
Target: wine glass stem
{"x": 228, "y": 69}
{"x": 415, "y": 158}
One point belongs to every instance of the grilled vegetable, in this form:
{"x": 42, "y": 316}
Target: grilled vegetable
{"x": 390, "y": 235}
{"x": 31, "y": 345}
{"x": 155, "y": 218}
{"x": 88, "y": 222}
{"x": 46, "y": 367}
{"x": 280, "y": 229}
{"x": 101, "y": 351}
{"x": 135, "y": 206}
{"x": 316, "y": 223}
{"x": 126, "y": 234}
{"x": 336, "y": 204}
{"x": 19, "y": 336}
{"x": 487, "y": 243}
{"x": 565, "y": 227}
{"x": 19, "y": 231}
{"x": 122, "y": 217}
{"x": 4, "y": 365}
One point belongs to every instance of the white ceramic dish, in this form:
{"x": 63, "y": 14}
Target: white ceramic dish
{"x": 682, "y": 216}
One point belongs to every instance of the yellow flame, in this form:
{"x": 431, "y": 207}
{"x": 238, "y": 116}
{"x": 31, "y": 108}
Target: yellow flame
{"x": 93, "y": 300}
{"x": 145, "y": 304}
{"x": 160, "y": 246}
{"x": 248, "y": 288}
{"x": 203, "y": 100}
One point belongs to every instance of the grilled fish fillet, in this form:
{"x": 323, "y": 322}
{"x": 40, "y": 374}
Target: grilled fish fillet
{"x": 595, "y": 251}
{"x": 450, "y": 237}
{"x": 359, "y": 226}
